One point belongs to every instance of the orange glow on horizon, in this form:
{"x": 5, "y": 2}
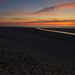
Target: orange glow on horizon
{"x": 32, "y": 24}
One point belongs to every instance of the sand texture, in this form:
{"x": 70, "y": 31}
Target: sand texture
{"x": 17, "y": 59}
{"x": 34, "y": 55}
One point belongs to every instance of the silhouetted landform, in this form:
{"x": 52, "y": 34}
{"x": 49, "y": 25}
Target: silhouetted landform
{"x": 53, "y": 35}
{"x": 29, "y": 51}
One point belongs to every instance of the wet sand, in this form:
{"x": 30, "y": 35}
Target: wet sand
{"x": 25, "y": 53}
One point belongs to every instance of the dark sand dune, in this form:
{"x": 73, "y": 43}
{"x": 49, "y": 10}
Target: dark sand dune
{"x": 25, "y": 53}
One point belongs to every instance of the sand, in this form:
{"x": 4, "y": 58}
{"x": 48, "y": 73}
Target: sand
{"x": 17, "y": 58}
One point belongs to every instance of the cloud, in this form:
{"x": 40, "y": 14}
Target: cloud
{"x": 25, "y": 19}
{"x": 20, "y": 19}
{"x": 51, "y": 22}
{"x": 41, "y": 14}
{"x": 57, "y": 7}
{"x": 11, "y": 13}
{"x": 18, "y": 13}
{"x": 32, "y": 20}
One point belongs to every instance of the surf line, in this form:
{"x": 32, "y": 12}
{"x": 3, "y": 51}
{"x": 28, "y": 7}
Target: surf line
{"x": 55, "y": 31}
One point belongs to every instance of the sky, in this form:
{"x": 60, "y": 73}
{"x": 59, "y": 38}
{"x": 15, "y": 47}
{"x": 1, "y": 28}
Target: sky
{"x": 37, "y": 12}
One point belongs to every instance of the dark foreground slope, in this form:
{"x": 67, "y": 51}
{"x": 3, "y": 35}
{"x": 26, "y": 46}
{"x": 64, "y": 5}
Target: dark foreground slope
{"x": 58, "y": 36}
{"x": 18, "y": 59}
{"x": 27, "y": 51}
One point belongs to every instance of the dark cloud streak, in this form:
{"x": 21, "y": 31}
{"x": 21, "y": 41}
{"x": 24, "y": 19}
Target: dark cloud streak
{"x": 57, "y": 7}
{"x": 52, "y": 21}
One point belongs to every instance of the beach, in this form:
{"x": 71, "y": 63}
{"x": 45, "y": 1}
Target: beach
{"x": 25, "y": 51}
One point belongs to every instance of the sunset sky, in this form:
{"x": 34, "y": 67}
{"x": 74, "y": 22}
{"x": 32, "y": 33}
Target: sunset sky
{"x": 37, "y": 12}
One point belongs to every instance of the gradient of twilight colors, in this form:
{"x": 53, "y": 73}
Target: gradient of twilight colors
{"x": 37, "y": 12}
